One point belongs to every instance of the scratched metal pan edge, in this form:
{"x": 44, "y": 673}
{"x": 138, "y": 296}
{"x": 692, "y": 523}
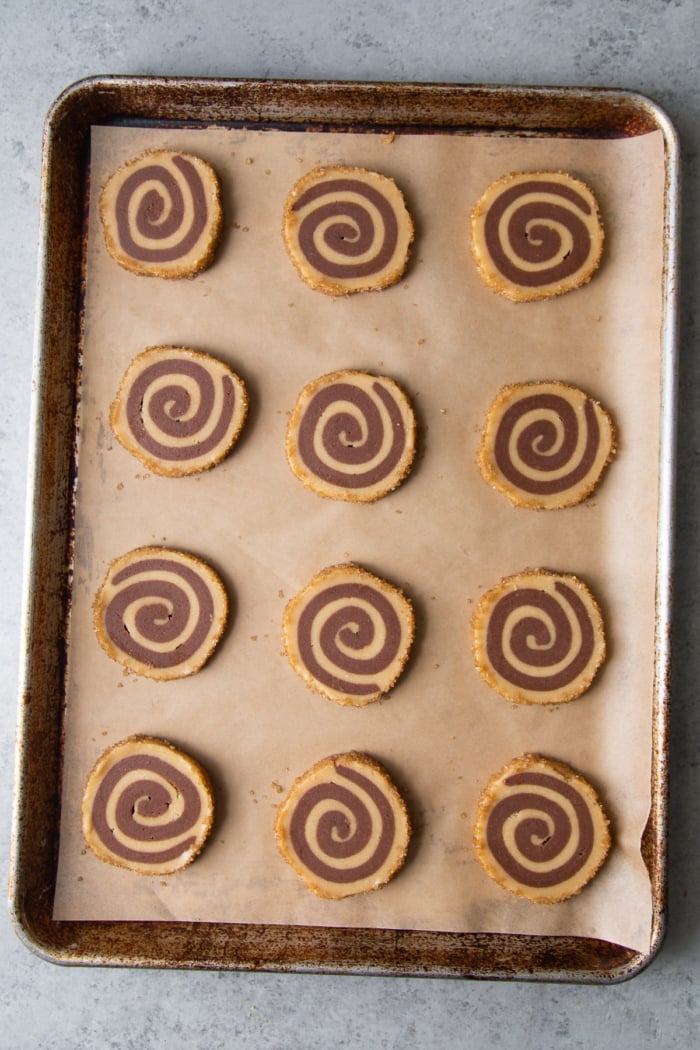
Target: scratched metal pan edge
{"x": 49, "y": 533}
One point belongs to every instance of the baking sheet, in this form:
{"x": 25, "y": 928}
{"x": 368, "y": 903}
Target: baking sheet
{"x": 443, "y": 535}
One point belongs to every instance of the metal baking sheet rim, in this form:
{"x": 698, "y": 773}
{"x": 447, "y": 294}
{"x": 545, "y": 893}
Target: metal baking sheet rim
{"x": 48, "y": 544}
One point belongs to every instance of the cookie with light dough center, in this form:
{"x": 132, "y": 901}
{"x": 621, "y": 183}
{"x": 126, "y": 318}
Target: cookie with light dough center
{"x": 351, "y": 436}
{"x": 538, "y": 637}
{"x": 344, "y": 827}
{"x": 541, "y": 831}
{"x": 147, "y": 806}
{"x": 348, "y": 634}
{"x": 160, "y": 612}
{"x": 545, "y": 445}
{"x": 347, "y": 230}
{"x": 536, "y": 235}
{"x": 179, "y": 411}
{"x": 161, "y": 214}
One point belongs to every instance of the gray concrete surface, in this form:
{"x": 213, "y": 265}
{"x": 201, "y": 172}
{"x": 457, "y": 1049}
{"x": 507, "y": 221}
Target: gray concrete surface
{"x": 650, "y": 46}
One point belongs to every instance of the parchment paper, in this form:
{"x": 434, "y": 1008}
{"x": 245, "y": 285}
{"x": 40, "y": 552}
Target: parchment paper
{"x": 443, "y": 535}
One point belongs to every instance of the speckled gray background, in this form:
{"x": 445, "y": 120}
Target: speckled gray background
{"x": 646, "y": 45}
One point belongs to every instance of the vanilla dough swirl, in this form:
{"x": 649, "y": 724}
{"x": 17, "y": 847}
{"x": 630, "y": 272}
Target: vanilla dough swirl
{"x": 538, "y": 637}
{"x": 351, "y": 436}
{"x": 545, "y": 445}
{"x": 178, "y": 410}
{"x": 160, "y": 612}
{"x": 161, "y": 214}
{"x": 348, "y": 634}
{"x": 347, "y": 230}
{"x": 541, "y": 832}
{"x": 536, "y": 235}
{"x": 343, "y": 826}
{"x": 147, "y": 807}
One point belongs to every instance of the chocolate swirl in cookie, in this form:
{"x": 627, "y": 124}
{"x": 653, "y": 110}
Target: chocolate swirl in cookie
{"x": 161, "y": 214}
{"x": 536, "y": 235}
{"x": 545, "y": 445}
{"x": 541, "y": 831}
{"x": 351, "y": 436}
{"x": 147, "y": 806}
{"x": 353, "y": 815}
{"x": 344, "y": 827}
{"x": 347, "y": 230}
{"x": 160, "y": 217}
{"x": 178, "y": 410}
{"x": 160, "y": 612}
{"x": 538, "y": 637}
{"x": 348, "y": 634}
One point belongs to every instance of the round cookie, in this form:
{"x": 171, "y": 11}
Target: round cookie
{"x": 541, "y": 831}
{"x": 161, "y": 214}
{"x": 351, "y": 436}
{"x": 343, "y": 827}
{"x": 347, "y": 230}
{"x": 538, "y": 637}
{"x": 160, "y": 612}
{"x": 147, "y": 807}
{"x": 348, "y": 634}
{"x": 545, "y": 445}
{"x": 179, "y": 411}
{"x": 535, "y": 235}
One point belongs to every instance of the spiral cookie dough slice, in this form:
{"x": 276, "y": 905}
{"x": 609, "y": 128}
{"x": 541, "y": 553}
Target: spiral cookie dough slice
{"x": 347, "y": 230}
{"x": 351, "y": 436}
{"x": 161, "y": 214}
{"x": 160, "y": 612}
{"x": 343, "y": 827}
{"x": 538, "y": 637}
{"x": 178, "y": 410}
{"x": 147, "y": 807}
{"x": 348, "y": 634}
{"x": 545, "y": 445}
{"x": 540, "y": 830}
{"x": 535, "y": 235}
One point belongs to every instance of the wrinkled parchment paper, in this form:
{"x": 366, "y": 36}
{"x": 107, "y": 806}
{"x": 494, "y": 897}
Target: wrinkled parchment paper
{"x": 443, "y": 535}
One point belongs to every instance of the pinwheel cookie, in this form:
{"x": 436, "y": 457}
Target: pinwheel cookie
{"x": 351, "y": 436}
{"x": 541, "y": 831}
{"x": 347, "y": 230}
{"x": 160, "y": 612}
{"x": 147, "y": 806}
{"x": 538, "y": 637}
{"x": 535, "y": 235}
{"x": 344, "y": 827}
{"x": 161, "y": 214}
{"x": 545, "y": 445}
{"x": 179, "y": 411}
{"x": 348, "y": 634}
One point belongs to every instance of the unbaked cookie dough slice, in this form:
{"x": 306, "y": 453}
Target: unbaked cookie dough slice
{"x": 538, "y": 637}
{"x": 344, "y": 827}
{"x": 535, "y": 235}
{"x": 147, "y": 807}
{"x": 348, "y": 634}
{"x": 161, "y": 214}
{"x": 347, "y": 230}
{"x": 541, "y": 831}
{"x": 160, "y": 612}
{"x": 179, "y": 411}
{"x": 545, "y": 445}
{"x": 351, "y": 436}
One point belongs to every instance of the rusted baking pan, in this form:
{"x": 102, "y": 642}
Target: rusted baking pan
{"x": 164, "y": 102}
